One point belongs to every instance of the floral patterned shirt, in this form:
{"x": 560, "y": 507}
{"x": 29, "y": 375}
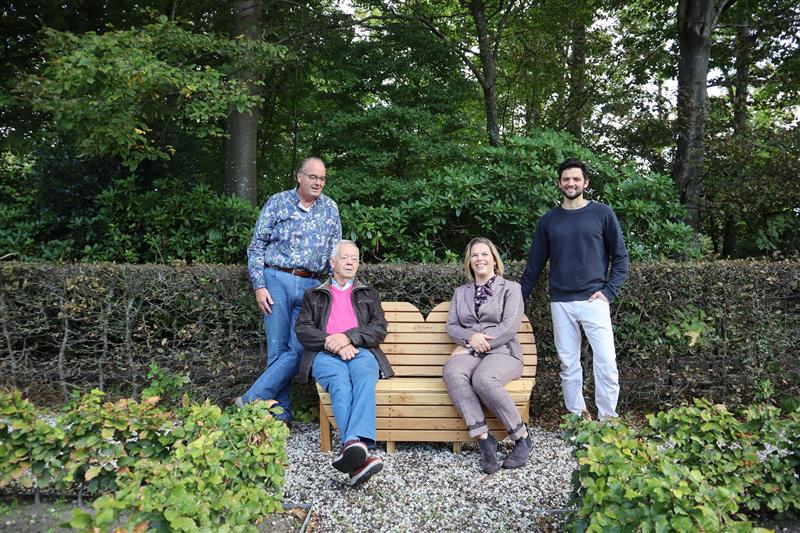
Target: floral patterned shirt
{"x": 289, "y": 236}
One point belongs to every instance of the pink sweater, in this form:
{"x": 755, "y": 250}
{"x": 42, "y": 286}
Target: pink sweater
{"x": 342, "y": 316}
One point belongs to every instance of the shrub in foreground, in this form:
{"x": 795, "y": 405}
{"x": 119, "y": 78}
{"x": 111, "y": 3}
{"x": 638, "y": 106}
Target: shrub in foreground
{"x": 193, "y": 468}
{"x": 692, "y": 468}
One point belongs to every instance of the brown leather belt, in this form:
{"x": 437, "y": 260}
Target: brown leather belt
{"x": 296, "y": 272}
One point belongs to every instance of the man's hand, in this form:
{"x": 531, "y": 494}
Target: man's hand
{"x": 480, "y": 342}
{"x": 264, "y": 300}
{"x": 335, "y": 342}
{"x": 598, "y": 296}
{"x": 347, "y": 352}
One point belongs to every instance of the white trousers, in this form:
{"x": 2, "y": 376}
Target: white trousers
{"x": 595, "y": 317}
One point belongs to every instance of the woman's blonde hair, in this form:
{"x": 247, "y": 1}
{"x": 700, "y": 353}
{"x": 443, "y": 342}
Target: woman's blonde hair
{"x": 498, "y": 263}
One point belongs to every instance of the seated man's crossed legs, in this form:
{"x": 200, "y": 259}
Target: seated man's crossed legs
{"x": 351, "y": 384}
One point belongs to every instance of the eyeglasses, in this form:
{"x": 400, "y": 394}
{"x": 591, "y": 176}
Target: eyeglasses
{"x": 314, "y": 177}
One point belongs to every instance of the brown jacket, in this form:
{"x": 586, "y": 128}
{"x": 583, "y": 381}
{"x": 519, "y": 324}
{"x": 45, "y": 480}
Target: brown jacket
{"x": 500, "y": 316}
{"x": 313, "y": 319}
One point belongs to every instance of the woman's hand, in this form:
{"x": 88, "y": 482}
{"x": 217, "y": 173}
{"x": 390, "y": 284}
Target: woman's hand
{"x": 460, "y": 350}
{"x": 480, "y": 342}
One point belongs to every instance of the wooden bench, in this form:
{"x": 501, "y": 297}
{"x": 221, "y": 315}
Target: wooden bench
{"x": 413, "y": 406}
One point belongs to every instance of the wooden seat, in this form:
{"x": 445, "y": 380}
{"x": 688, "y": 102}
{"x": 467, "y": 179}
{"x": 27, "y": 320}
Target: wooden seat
{"x": 413, "y": 406}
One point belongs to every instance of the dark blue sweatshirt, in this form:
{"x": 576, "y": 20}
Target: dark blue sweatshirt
{"x": 580, "y": 243}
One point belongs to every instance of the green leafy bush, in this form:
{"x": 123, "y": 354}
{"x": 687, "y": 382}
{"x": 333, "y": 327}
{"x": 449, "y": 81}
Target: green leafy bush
{"x": 129, "y": 221}
{"x": 33, "y": 451}
{"x": 135, "y": 224}
{"x": 168, "y": 387}
{"x": 501, "y": 193}
{"x": 104, "y": 437}
{"x": 692, "y": 468}
{"x": 225, "y": 472}
{"x": 195, "y": 468}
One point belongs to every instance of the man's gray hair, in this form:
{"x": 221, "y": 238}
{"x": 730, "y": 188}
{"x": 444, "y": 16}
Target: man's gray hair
{"x": 308, "y": 160}
{"x": 336, "y": 247}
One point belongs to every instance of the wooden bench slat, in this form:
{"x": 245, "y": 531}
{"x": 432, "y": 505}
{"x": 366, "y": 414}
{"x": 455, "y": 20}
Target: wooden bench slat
{"x": 437, "y": 359}
{"x": 423, "y": 435}
{"x": 415, "y": 347}
{"x": 409, "y": 348}
{"x": 439, "y": 338}
{"x": 441, "y": 319}
{"x": 436, "y": 317}
{"x": 426, "y": 383}
{"x": 425, "y": 398}
{"x": 432, "y": 423}
{"x": 403, "y": 371}
{"x": 400, "y": 306}
{"x": 431, "y": 411}
{"x": 407, "y": 327}
{"x": 402, "y": 316}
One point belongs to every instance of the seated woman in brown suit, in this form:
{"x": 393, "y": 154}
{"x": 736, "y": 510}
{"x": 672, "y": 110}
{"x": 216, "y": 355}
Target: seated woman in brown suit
{"x": 485, "y": 316}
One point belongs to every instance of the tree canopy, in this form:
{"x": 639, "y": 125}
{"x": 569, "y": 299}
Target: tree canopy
{"x": 125, "y": 125}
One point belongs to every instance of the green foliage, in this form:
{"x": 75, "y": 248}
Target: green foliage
{"x": 106, "y": 438}
{"x": 118, "y": 93}
{"x": 135, "y": 224}
{"x": 197, "y": 468}
{"x": 129, "y": 221}
{"x": 501, "y": 193}
{"x": 691, "y": 328}
{"x": 168, "y": 387}
{"x": 168, "y": 222}
{"x": 693, "y": 468}
{"x": 19, "y": 228}
{"x": 225, "y": 472}
{"x": 33, "y": 451}
{"x": 751, "y": 188}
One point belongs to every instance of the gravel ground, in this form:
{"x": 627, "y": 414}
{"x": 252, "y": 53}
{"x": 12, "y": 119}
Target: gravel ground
{"x": 426, "y": 487}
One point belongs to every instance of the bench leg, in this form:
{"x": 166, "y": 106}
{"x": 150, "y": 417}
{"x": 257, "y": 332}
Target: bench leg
{"x": 324, "y": 431}
{"x": 390, "y": 446}
{"x": 457, "y": 447}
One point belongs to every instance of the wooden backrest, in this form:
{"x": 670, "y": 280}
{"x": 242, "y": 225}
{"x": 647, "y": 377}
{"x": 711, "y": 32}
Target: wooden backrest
{"x": 419, "y": 347}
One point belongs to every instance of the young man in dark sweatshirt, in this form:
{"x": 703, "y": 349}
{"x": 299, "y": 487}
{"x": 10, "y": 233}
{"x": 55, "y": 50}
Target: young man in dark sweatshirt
{"x": 582, "y": 239}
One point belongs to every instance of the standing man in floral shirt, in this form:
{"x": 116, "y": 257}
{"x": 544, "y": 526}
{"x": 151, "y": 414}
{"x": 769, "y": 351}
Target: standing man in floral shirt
{"x": 293, "y": 239}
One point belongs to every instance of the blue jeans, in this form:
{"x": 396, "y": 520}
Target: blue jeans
{"x": 351, "y": 385}
{"x": 283, "y": 348}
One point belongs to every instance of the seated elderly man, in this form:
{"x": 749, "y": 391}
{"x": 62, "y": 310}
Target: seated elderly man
{"x": 340, "y": 326}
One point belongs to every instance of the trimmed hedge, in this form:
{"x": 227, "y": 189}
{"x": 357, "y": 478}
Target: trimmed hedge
{"x": 715, "y": 329}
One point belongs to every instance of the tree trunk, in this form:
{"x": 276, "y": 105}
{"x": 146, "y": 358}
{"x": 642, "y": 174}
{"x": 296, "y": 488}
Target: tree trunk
{"x": 241, "y": 150}
{"x": 488, "y": 79}
{"x": 577, "y": 81}
{"x": 741, "y": 82}
{"x": 695, "y": 18}
{"x": 744, "y": 50}
{"x": 696, "y": 21}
